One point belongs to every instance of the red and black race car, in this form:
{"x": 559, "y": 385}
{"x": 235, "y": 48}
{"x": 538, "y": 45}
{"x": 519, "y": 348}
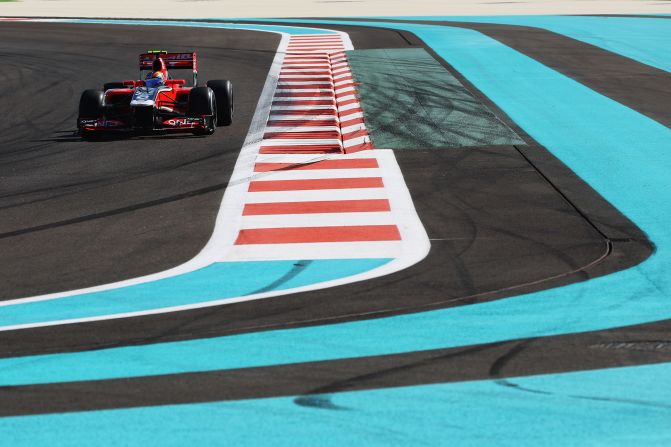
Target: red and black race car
{"x": 157, "y": 102}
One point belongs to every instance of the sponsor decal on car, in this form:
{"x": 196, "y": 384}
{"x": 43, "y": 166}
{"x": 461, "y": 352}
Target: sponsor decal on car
{"x": 89, "y": 123}
{"x": 144, "y": 96}
{"x": 182, "y": 122}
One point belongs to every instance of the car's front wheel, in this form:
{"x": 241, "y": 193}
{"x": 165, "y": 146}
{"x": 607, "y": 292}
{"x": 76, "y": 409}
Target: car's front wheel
{"x": 223, "y": 92}
{"x": 202, "y": 102}
{"x": 91, "y": 107}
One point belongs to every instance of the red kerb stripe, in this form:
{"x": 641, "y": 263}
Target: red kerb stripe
{"x": 325, "y": 206}
{"x": 320, "y": 134}
{"x": 348, "y": 163}
{"x": 310, "y": 79}
{"x": 358, "y": 233}
{"x": 307, "y": 149}
{"x": 314, "y": 184}
{"x": 295, "y": 123}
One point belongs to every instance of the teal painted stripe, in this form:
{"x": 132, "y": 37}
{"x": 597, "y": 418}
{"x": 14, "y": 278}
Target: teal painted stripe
{"x": 622, "y": 154}
{"x": 267, "y": 28}
{"x": 646, "y": 40}
{"x": 615, "y": 408}
{"x": 218, "y": 281}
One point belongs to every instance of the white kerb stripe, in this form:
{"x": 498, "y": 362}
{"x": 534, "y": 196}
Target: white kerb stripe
{"x": 303, "y": 98}
{"x": 314, "y": 174}
{"x": 317, "y": 194}
{"x": 300, "y": 142}
{"x": 335, "y": 219}
{"x": 297, "y": 83}
{"x": 352, "y": 128}
{"x": 348, "y": 107}
{"x": 304, "y": 90}
{"x": 319, "y": 107}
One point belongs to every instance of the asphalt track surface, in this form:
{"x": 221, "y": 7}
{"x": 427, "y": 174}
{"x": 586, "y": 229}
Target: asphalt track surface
{"x": 536, "y": 226}
{"x": 77, "y": 214}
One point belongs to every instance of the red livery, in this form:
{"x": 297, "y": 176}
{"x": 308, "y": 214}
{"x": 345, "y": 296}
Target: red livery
{"x": 157, "y": 102}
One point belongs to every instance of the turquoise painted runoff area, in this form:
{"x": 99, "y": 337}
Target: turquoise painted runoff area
{"x": 621, "y": 153}
{"x": 646, "y": 40}
{"x": 615, "y": 408}
{"x": 218, "y": 281}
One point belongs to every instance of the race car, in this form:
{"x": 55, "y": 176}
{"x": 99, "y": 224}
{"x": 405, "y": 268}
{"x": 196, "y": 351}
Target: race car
{"x": 157, "y": 102}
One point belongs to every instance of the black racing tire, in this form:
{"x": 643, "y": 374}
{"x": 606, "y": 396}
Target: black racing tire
{"x": 91, "y": 104}
{"x": 110, "y": 85}
{"x": 223, "y": 91}
{"x": 202, "y": 101}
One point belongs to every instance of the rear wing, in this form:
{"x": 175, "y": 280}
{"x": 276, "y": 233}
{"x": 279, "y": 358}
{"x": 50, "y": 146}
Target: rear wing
{"x": 173, "y": 61}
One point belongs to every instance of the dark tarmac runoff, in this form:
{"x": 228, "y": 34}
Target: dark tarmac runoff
{"x": 503, "y": 219}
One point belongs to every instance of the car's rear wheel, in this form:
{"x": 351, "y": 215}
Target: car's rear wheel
{"x": 202, "y": 102}
{"x": 223, "y": 91}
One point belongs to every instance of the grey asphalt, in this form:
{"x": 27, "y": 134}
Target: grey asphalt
{"x": 75, "y": 214}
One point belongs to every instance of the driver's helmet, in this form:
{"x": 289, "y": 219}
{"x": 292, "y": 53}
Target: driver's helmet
{"x": 158, "y": 74}
{"x": 156, "y": 77}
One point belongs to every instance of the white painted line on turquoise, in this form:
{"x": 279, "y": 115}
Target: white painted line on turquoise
{"x": 216, "y": 284}
{"x": 622, "y": 407}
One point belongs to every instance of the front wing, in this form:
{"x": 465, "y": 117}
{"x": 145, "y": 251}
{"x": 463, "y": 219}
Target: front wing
{"x": 166, "y": 124}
